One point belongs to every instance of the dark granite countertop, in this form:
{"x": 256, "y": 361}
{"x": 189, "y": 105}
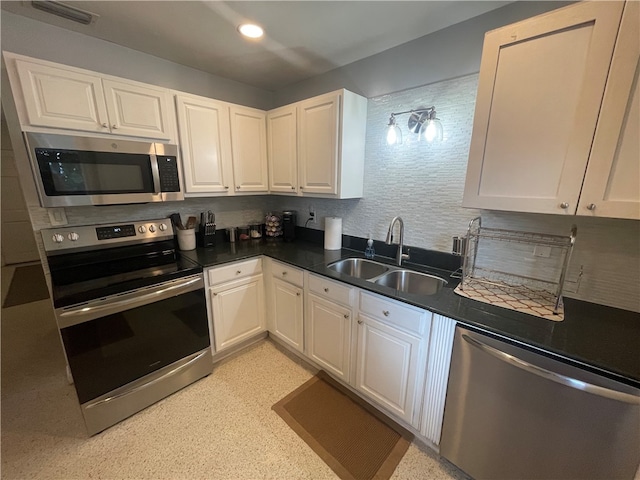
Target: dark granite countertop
{"x": 602, "y": 339}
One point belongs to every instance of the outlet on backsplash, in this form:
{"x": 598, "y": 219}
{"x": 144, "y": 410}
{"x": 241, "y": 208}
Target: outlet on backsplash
{"x": 312, "y": 215}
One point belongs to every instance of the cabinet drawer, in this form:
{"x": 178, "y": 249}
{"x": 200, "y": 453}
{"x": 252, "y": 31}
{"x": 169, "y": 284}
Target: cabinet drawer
{"x": 410, "y": 319}
{"x": 287, "y": 273}
{"x": 330, "y": 289}
{"x": 234, "y": 270}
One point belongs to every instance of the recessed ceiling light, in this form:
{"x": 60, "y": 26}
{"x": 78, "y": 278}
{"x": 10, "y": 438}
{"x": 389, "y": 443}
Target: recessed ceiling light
{"x": 251, "y": 30}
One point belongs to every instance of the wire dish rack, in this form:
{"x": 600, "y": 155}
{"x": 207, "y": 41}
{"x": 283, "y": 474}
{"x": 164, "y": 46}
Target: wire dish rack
{"x": 523, "y": 271}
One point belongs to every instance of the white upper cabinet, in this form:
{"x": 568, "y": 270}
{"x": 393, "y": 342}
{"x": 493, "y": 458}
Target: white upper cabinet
{"x": 612, "y": 184}
{"x": 316, "y": 146}
{"x": 205, "y": 142}
{"x": 224, "y": 147}
{"x": 137, "y": 110}
{"x": 249, "y": 149}
{"x": 61, "y": 97}
{"x": 319, "y": 137}
{"x": 540, "y": 89}
{"x": 282, "y": 149}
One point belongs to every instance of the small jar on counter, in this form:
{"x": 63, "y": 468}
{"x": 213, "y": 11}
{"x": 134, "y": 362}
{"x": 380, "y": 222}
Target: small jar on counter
{"x": 244, "y": 233}
{"x": 255, "y": 230}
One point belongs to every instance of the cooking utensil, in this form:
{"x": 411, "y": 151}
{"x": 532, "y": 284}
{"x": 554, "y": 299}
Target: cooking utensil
{"x": 176, "y": 220}
{"x": 191, "y": 223}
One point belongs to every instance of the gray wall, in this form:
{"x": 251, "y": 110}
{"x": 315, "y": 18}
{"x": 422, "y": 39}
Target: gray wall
{"x": 40, "y": 40}
{"x": 449, "y": 53}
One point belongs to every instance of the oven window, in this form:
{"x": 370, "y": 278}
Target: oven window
{"x": 74, "y": 172}
{"x": 109, "y": 352}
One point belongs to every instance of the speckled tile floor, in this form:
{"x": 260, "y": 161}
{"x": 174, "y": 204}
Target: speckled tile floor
{"x": 221, "y": 427}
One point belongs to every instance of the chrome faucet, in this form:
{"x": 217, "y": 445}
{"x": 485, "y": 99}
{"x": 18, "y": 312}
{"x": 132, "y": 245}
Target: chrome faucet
{"x": 400, "y": 256}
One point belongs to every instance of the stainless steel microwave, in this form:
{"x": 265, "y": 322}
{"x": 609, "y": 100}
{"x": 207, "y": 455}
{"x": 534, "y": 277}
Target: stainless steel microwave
{"x": 73, "y": 171}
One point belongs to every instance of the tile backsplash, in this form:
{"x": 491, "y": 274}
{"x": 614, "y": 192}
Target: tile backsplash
{"x": 423, "y": 183}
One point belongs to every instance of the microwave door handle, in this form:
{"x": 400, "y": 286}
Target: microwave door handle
{"x": 155, "y": 172}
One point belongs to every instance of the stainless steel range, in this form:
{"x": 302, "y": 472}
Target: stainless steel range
{"x": 131, "y": 313}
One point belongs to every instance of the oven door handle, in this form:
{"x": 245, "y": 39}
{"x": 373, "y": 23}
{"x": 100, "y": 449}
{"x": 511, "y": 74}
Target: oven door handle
{"x": 136, "y": 298}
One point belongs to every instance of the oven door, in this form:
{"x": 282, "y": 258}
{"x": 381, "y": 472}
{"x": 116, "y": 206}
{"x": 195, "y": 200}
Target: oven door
{"x": 130, "y": 350}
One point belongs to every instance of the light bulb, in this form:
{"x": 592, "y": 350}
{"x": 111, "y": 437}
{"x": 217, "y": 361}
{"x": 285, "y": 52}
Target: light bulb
{"x": 394, "y": 134}
{"x": 433, "y": 130}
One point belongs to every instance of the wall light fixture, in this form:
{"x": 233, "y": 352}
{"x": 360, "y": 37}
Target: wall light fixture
{"x": 422, "y": 122}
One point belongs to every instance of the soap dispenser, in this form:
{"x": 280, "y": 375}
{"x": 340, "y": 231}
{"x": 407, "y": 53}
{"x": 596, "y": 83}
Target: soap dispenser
{"x": 369, "y": 252}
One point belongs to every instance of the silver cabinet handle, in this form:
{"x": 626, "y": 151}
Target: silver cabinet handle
{"x": 297, "y": 294}
{"x": 326, "y": 290}
{"x": 293, "y": 187}
{"x": 564, "y": 205}
{"x": 104, "y": 125}
{"x": 284, "y": 273}
{"x": 227, "y": 187}
{"x": 346, "y": 315}
{"x": 591, "y": 206}
{"x": 238, "y": 272}
{"x": 360, "y": 322}
{"x": 237, "y": 187}
{"x": 553, "y": 376}
{"x": 114, "y": 126}
{"x": 385, "y": 313}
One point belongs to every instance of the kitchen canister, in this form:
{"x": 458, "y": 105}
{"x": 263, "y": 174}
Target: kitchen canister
{"x": 186, "y": 239}
{"x": 332, "y": 233}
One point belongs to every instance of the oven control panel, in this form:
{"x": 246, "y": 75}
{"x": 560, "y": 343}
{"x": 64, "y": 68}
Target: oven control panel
{"x": 87, "y": 236}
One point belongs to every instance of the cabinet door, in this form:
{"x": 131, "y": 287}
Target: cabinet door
{"x": 387, "y": 367}
{"x": 540, "y": 88}
{"x": 288, "y": 313}
{"x": 438, "y": 363}
{"x": 612, "y": 184}
{"x": 138, "y": 110}
{"x": 249, "y": 149}
{"x": 282, "y": 149}
{"x": 238, "y": 311}
{"x": 329, "y": 335}
{"x": 205, "y": 142}
{"x": 62, "y": 98}
{"x": 319, "y": 125}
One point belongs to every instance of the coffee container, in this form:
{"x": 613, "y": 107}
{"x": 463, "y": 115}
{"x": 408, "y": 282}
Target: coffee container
{"x": 289, "y": 223}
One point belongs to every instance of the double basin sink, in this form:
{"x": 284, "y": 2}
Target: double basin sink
{"x": 400, "y": 279}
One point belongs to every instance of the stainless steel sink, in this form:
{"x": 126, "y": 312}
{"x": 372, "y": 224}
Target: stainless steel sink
{"x": 409, "y": 281}
{"x": 359, "y": 268}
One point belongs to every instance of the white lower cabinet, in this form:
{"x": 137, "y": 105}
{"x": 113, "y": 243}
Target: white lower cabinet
{"x": 391, "y": 351}
{"x": 395, "y": 355}
{"x": 328, "y": 326}
{"x": 286, "y": 313}
{"x": 236, "y": 295}
{"x": 435, "y": 391}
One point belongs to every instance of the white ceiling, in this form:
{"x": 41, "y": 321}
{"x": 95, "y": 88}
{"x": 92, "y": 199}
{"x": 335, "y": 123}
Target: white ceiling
{"x": 303, "y": 38}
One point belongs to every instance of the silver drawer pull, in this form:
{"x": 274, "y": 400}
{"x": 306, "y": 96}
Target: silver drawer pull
{"x": 284, "y": 273}
{"x": 359, "y": 322}
{"x": 385, "y": 313}
{"x": 346, "y": 315}
{"x": 238, "y": 272}
{"x": 326, "y": 290}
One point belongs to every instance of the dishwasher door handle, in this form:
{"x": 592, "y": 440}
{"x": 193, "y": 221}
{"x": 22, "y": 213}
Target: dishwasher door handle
{"x": 553, "y": 376}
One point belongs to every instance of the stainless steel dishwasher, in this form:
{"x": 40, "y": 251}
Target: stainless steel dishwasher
{"x": 511, "y": 413}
